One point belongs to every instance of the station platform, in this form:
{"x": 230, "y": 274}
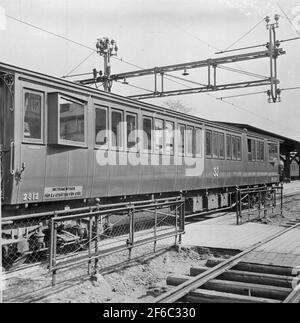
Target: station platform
{"x": 214, "y": 234}
{"x": 223, "y": 233}
{"x": 292, "y": 188}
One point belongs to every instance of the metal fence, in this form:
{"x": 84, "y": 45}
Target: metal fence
{"x": 257, "y": 203}
{"x": 106, "y": 232}
{"x": 93, "y": 238}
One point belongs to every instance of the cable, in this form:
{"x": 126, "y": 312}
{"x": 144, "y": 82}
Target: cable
{"x": 49, "y": 32}
{"x": 291, "y": 88}
{"x": 76, "y": 75}
{"x": 288, "y": 18}
{"x": 240, "y": 95}
{"x": 259, "y": 116}
{"x": 254, "y": 93}
{"x": 126, "y": 62}
{"x": 238, "y": 49}
{"x": 185, "y": 80}
{"x": 191, "y": 35}
{"x": 231, "y": 69}
{"x": 290, "y": 39}
{"x": 136, "y": 87}
{"x": 245, "y": 35}
{"x": 75, "y": 68}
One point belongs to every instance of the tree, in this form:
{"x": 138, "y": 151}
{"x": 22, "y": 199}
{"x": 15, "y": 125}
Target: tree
{"x": 178, "y": 106}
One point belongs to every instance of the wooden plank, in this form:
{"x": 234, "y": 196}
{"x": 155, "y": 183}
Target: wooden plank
{"x": 257, "y": 268}
{"x": 252, "y": 278}
{"x": 255, "y": 290}
{"x": 208, "y": 296}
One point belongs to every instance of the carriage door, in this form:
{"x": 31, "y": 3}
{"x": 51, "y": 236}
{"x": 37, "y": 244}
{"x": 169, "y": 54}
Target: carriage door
{"x": 31, "y": 172}
{"x": 6, "y": 135}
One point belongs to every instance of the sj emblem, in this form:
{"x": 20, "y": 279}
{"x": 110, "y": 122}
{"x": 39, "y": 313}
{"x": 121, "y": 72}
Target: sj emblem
{"x": 216, "y": 172}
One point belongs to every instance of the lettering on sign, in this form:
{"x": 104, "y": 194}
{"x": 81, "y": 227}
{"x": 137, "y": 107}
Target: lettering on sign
{"x": 52, "y": 193}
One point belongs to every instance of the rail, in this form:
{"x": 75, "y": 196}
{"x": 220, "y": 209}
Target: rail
{"x": 184, "y": 289}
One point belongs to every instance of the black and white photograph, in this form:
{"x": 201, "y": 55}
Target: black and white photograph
{"x": 150, "y": 154}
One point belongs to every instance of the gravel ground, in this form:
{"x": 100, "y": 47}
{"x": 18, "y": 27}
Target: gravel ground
{"x": 137, "y": 284}
{"x": 291, "y": 212}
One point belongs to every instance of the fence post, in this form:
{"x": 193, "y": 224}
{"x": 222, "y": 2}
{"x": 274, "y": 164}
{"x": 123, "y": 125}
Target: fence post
{"x": 237, "y": 206}
{"x": 90, "y": 237}
{"x": 249, "y": 211}
{"x": 176, "y": 224}
{"x": 259, "y": 204}
{"x": 181, "y": 224}
{"x": 155, "y": 229}
{"x": 54, "y": 272}
{"x": 281, "y": 200}
{"x": 97, "y": 240}
{"x": 51, "y": 228}
{"x": 131, "y": 233}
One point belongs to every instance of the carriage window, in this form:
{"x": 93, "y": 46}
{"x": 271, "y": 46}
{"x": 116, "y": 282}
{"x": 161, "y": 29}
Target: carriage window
{"x": 262, "y": 151}
{"x": 101, "y": 127}
{"x": 234, "y": 148}
{"x": 198, "y": 142}
{"x": 189, "y": 140}
{"x": 228, "y": 147}
{"x": 71, "y": 116}
{"x": 250, "y": 148}
{"x": 273, "y": 152}
{"x": 131, "y": 120}
{"x": 181, "y": 140}
{"x": 208, "y": 141}
{"x": 222, "y": 145}
{"x": 239, "y": 148}
{"x": 33, "y": 116}
{"x": 254, "y": 150}
{"x": 215, "y": 148}
{"x": 258, "y": 150}
{"x": 169, "y": 138}
{"x": 116, "y": 128}
{"x": 147, "y": 127}
{"x": 159, "y": 135}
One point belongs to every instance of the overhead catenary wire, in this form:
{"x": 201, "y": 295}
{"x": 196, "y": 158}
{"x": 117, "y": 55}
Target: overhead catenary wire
{"x": 231, "y": 69}
{"x": 135, "y": 86}
{"x": 239, "y": 49}
{"x": 255, "y": 93}
{"x": 50, "y": 32}
{"x": 240, "y": 95}
{"x": 259, "y": 116}
{"x": 80, "y": 64}
{"x": 245, "y": 35}
{"x": 288, "y": 18}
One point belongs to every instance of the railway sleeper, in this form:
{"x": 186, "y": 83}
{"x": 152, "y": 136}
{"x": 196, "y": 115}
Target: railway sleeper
{"x": 252, "y": 277}
{"x": 210, "y": 296}
{"x": 246, "y": 289}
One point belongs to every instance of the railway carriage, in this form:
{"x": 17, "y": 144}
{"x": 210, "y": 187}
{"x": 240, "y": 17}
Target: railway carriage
{"x": 64, "y": 145}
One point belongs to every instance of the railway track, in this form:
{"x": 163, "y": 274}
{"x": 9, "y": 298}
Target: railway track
{"x": 234, "y": 281}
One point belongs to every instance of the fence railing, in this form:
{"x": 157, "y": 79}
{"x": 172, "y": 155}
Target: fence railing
{"x": 256, "y": 203}
{"x": 101, "y": 233}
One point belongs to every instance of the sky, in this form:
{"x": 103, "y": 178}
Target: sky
{"x": 153, "y": 33}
